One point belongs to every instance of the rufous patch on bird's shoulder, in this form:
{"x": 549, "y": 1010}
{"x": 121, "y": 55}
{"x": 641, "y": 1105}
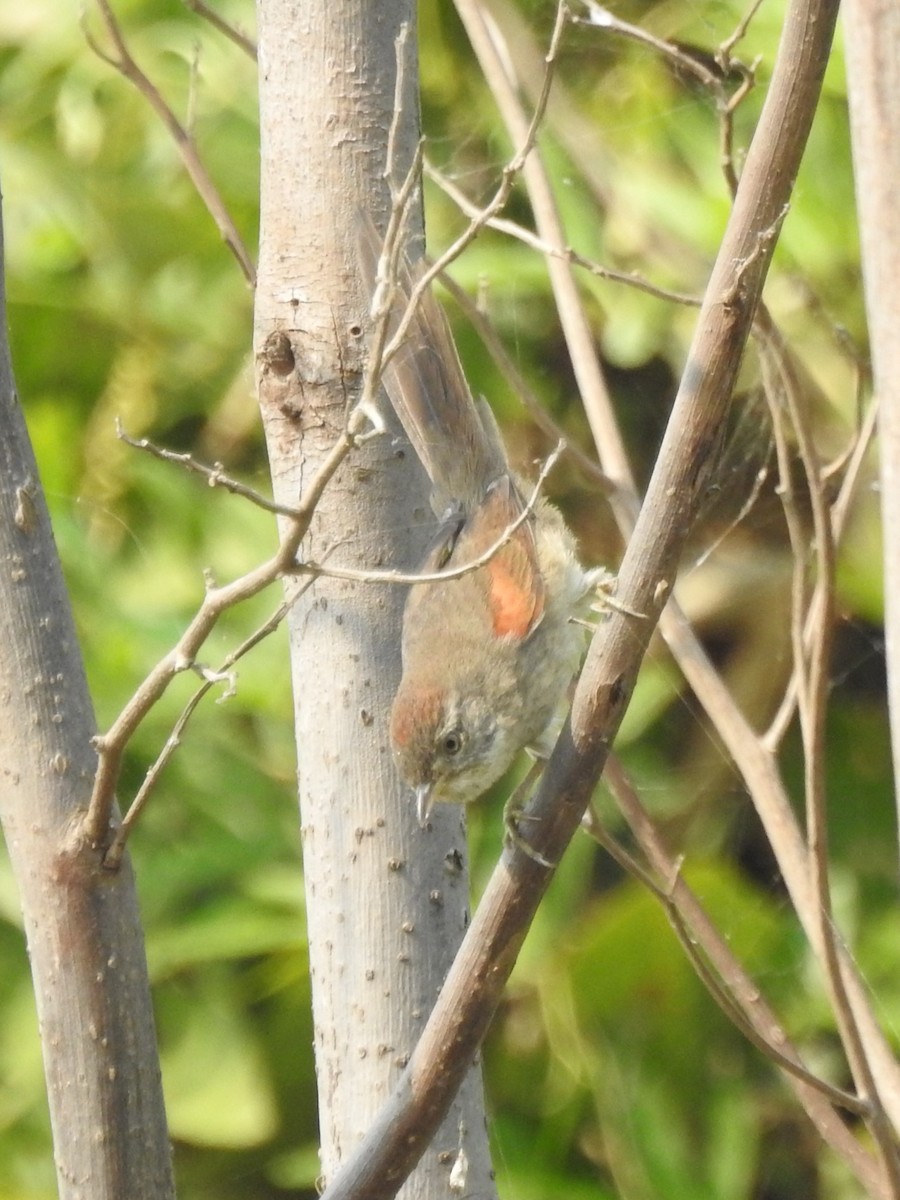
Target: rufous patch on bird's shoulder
{"x": 514, "y": 583}
{"x": 415, "y": 711}
{"x": 516, "y": 590}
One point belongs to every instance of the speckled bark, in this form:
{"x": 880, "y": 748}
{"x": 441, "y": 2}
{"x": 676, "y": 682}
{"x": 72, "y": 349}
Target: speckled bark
{"x": 387, "y": 901}
{"x": 84, "y": 934}
{"x": 872, "y": 31}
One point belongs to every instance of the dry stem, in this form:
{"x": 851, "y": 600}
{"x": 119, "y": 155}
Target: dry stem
{"x": 123, "y": 62}
{"x": 225, "y": 672}
{"x": 234, "y": 35}
{"x": 472, "y": 990}
{"x": 564, "y": 253}
{"x": 738, "y": 995}
{"x": 111, "y": 745}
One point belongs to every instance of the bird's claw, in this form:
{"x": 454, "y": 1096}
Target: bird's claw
{"x": 603, "y": 584}
{"x": 513, "y": 813}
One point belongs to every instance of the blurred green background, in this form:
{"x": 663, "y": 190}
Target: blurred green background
{"x": 610, "y": 1072}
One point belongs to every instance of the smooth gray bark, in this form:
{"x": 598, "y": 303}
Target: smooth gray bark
{"x": 872, "y": 31}
{"x": 81, "y": 921}
{"x": 387, "y": 901}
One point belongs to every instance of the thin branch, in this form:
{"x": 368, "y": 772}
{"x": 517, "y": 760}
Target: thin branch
{"x": 728, "y": 1006}
{"x": 813, "y": 691}
{"x": 600, "y": 17}
{"x": 759, "y": 771}
{"x": 113, "y": 856}
{"x": 496, "y": 65}
{"x": 746, "y": 508}
{"x": 215, "y": 475}
{"x": 859, "y": 448}
{"x": 728, "y": 105}
{"x": 111, "y": 745}
{"x": 401, "y": 43}
{"x": 387, "y": 273}
{"x": 694, "y": 65}
{"x": 740, "y": 997}
{"x": 364, "y": 575}
{"x": 565, "y": 253}
{"x": 392, "y": 251}
{"x": 123, "y": 62}
{"x": 723, "y": 54}
{"x": 840, "y": 512}
{"x": 497, "y": 202}
{"x": 234, "y": 35}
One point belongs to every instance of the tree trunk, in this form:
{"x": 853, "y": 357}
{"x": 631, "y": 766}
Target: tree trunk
{"x": 387, "y": 901}
{"x": 872, "y": 30}
{"x": 84, "y": 934}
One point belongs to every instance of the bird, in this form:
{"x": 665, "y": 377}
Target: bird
{"x": 487, "y": 654}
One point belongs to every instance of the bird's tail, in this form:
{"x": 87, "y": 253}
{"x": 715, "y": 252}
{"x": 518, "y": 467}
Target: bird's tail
{"x": 455, "y": 438}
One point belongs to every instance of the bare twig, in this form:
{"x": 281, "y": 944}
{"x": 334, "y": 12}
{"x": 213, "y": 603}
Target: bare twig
{"x": 412, "y": 176}
{"x": 742, "y": 1002}
{"x": 564, "y": 253}
{"x": 811, "y": 664}
{"x": 759, "y": 770}
{"x": 728, "y": 105}
{"x": 113, "y": 856}
{"x": 526, "y": 144}
{"x": 496, "y": 65}
{"x": 364, "y": 575}
{"x": 746, "y": 508}
{"x": 677, "y": 897}
{"x": 694, "y": 65}
{"x": 723, "y": 54}
{"x": 215, "y": 475}
{"x": 600, "y": 17}
{"x": 123, "y": 62}
{"x": 218, "y": 22}
{"x": 771, "y": 739}
{"x": 388, "y": 268}
{"x": 740, "y": 998}
{"x": 111, "y": 745}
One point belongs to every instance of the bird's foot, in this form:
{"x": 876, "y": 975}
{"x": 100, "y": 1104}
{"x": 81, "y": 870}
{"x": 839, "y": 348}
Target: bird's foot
{"x": 513, "y": 816}
{"x": 603, "y": 584}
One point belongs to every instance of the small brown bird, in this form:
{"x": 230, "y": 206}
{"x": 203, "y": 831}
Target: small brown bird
{"x": 487, "y": 656}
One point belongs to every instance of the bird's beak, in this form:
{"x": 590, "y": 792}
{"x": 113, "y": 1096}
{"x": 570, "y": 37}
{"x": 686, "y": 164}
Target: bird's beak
{"x": 424, "y": 802}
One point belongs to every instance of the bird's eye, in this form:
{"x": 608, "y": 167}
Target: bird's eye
{"x": 452, "y": 742}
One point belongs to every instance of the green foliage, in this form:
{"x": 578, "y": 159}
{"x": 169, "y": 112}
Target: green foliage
{"x": 610, "y": 1071}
